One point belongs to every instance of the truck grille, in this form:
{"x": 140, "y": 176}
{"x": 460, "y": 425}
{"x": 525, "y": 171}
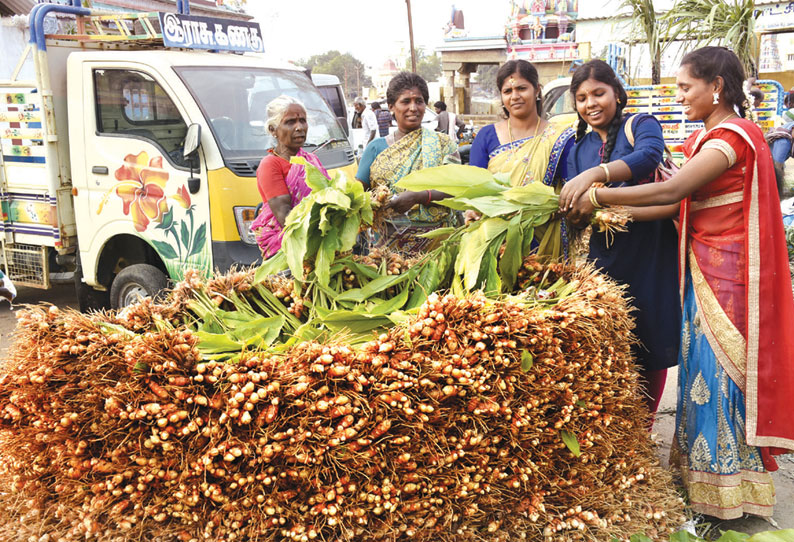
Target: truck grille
{"x": 243, "y": 168}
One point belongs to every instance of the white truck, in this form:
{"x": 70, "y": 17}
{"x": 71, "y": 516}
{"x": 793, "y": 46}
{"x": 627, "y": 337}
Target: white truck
{"x": 97, "y": 179}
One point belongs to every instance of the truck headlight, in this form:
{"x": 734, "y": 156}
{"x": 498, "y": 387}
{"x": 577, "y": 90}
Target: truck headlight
{"x": 244, "y": 216}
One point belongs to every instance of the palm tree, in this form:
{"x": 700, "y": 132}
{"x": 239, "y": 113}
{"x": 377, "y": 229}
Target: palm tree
{"x": 730, "y": 23}
{"x": 651, "y": 29}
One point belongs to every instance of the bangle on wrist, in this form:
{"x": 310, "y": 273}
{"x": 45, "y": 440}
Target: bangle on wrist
{"x": 606, "y": 172}
{"x": 592, "y": 194}
{"x": 429, "y": 197}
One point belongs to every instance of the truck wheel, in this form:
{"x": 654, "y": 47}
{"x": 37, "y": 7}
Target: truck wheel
{"x": 136, "y": 282}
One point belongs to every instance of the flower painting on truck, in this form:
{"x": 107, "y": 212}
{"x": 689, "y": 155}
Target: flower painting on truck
{"x": 142, "y": 188}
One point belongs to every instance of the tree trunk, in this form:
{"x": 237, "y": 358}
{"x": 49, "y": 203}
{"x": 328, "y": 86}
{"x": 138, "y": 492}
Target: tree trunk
{"x": 656, "y": 68}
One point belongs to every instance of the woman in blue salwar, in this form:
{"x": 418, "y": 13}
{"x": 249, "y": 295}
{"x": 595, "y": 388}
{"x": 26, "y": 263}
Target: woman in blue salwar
{"x": 625, "y": 151}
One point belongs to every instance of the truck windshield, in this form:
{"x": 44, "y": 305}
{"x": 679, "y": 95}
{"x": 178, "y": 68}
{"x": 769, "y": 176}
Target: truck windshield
{"x": 234, "y": 100}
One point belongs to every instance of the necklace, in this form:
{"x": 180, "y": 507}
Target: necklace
{"x": 724, "y": 119}
{"x": 510, "y": 131}
{"x": 282, "y": 156}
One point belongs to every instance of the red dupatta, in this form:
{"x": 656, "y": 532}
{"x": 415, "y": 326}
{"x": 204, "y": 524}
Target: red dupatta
{"x": 763, "y": 364}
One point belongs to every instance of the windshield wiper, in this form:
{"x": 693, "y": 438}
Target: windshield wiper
{"x": 324, "y": 143}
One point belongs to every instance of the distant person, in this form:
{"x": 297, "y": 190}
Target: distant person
{"x": 788, "y": 103}
{"x": 758, "y": 97}
{"x": 383, "y": 117}
{"x": 369, "y": 122}
{"x": 359, "y": 106}
{"x": 448, "y": 123}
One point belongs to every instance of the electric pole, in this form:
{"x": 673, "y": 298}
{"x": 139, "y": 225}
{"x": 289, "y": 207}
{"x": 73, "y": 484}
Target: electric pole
{"x": 411, "y": 37}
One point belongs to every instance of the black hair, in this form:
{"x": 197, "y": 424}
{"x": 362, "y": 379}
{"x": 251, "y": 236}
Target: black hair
{"x": 525, "y": 70}
{"x": 405, "y": 81}
{"x": 757, "y": 93}
{"x": 375, "y": 105}
{"x": 603, "y": 73}
{"x": 788, "y": 99}
{"x": 441, "y": 105}
{"x": 708, "y": 63}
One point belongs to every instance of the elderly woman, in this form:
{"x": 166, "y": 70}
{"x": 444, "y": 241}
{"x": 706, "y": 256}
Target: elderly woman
{"x": 281, "y": 183}
{"x": 411, "y": 147}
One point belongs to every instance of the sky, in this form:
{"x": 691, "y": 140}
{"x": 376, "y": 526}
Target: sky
{"x": 371, "y": 30}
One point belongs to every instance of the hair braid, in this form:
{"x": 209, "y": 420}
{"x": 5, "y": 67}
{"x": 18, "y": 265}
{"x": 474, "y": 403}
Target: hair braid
{"x": 612, "y": 134}
{"x": 581, "y": 128}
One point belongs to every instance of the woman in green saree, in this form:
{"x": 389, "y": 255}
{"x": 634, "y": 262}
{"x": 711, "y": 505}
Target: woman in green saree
{"x": 411, "y": 147}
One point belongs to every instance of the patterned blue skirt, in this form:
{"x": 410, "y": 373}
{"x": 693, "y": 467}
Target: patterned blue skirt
{"x": 724, "y": 476}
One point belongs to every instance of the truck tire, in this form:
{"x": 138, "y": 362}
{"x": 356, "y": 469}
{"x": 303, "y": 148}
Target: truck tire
{"x": 136, "y": 282}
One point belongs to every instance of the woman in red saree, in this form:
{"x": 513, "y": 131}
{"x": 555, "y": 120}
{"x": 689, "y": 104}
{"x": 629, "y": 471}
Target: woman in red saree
{"x": 736, "y": 375}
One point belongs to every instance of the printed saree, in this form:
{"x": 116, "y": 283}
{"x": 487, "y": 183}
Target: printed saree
{"x": 416, "y": 150}
{"x": 536, "y": 159}
{"x": 269, "y": 232}
{"x": 736, "y": 373}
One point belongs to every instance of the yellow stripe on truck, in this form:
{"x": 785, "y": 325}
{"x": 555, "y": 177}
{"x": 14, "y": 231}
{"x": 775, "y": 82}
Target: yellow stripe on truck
{"x": 228, "y": 191}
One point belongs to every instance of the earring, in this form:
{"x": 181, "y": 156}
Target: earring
{"x": 716, "y": 98}
{"x": 537, "y": 98}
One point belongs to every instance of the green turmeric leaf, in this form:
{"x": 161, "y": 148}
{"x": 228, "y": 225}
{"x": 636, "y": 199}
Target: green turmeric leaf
{"x": 571, "y": 442}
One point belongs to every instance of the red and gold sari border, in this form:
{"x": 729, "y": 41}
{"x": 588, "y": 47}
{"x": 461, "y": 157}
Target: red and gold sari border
{"x": 717, "y": 201}
{"x": 732, "y": 513}
{"x": 753, "y": 298}
{"x": 730, "y": 480}
{"x": 725, "y": 339}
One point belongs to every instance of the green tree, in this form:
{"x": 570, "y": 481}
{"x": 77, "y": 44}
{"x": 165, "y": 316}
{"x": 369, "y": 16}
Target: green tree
{"x": 346, "y": 67}
{"x": 427, "y": 66}
{"x": 647, "y": 27}
{"x": 730, "y": 23}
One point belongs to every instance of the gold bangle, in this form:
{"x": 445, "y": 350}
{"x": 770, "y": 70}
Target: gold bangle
{"x": 593, "y": 198}
{"x": 606, "y": 171}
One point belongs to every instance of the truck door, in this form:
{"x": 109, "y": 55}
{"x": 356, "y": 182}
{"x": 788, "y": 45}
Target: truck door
{"x": 134, "y": 206}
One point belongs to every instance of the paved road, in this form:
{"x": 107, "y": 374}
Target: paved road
{"x": 783, "y": 478}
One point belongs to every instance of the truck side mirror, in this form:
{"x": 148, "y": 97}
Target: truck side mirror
{"x": 192, "y": 140}
{"x": 190, "y": 150}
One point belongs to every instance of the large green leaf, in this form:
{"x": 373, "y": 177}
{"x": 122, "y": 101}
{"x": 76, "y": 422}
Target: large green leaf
{"x": 296, "y": 233}
{"x": 259, "y": 332}
{"x": 453, "y": 179}
{"x": 485, "y": 205}
{"x": 216, "y": 343}
{"x": 783, "y": 535}
{"x": 513, "y": 254}
{"x": 387, "y": 306}
{"x": 348, "y": 233}
{"x": 684, "y": 536}
{"x": 314, "y": 177}
{"x": 426, "y": 284}
{"x": 354, "y": 321}
{"x": 376, "y": 286}
{"x": 532, "y": 194}
{"x": 275, "y": 264}
{"x": 733, "y": 536}
{"x": 331, "y": 196}
{"x": 473, "y": 246}
{"x": 325, "y": 257}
